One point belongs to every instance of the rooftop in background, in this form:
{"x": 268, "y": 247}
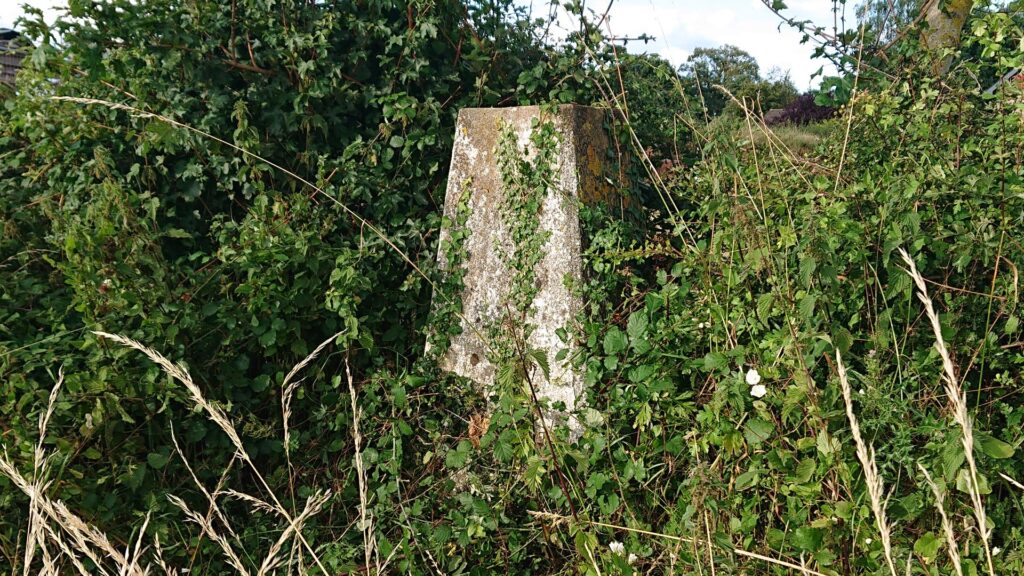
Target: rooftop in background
{"x": 12, "y": 52}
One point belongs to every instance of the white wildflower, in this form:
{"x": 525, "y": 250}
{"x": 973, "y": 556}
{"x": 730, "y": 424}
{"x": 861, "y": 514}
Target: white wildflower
{"x": 632, "y": 558}
{"x": 996, "y": 551}
{"x": 758, "y": 391}
{"x": 617, "y": 548}
{"x": 861, "y": 391}
{"x": 753, "y": 378}
{"x": 868, "y": 541}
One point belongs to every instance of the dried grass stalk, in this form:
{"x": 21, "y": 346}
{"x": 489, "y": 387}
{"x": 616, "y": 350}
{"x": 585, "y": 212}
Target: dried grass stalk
{"x": 947, "y": 528}
{"x": 958, "y": 404}
{"x": 866, "y": 455}
{"x": 179, "y": 373}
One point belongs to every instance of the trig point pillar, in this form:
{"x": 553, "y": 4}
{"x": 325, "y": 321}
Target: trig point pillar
{"x": 476, "y": 192}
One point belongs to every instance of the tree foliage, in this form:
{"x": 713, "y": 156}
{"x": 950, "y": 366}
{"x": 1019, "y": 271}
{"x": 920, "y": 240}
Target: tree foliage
{"x": 708, "y": 70}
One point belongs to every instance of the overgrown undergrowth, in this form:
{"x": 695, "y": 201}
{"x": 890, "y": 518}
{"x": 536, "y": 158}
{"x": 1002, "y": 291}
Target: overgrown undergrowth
{"x": 797, "y": 360}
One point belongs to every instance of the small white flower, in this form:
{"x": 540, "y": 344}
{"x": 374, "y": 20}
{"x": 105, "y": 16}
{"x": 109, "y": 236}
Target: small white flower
{"x": 758, "y": 391}
{"x": 861, "y": 391}
{"x": 617, "y": 547}
{"x": 753, "y": 378}
{"x": 632, "y": 558}
{"x": 996, "y": 551}
{"x": 868, "y": 541}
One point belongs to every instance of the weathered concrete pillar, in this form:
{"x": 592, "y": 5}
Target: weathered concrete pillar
{"x": 475, "y": 177}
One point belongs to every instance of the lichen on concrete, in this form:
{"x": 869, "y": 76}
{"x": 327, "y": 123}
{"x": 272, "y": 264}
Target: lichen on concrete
{"x": 579, "y": 170}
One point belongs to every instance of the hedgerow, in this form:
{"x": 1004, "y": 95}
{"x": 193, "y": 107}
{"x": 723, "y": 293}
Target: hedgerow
{"x": 220, "y": 230}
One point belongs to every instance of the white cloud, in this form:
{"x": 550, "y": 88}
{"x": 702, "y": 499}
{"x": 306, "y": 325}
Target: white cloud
{"x": 682, "y": 25}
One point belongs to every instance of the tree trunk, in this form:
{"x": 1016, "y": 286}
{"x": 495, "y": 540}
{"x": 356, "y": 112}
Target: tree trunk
{"x": 945, "y": 20}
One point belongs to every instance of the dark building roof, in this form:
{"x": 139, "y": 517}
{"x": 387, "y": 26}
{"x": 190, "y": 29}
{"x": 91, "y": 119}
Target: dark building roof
{"x": 12, "y": 51}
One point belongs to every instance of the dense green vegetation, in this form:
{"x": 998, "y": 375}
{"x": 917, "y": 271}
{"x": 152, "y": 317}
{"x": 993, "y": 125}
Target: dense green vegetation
{"x": 247, "y": 187}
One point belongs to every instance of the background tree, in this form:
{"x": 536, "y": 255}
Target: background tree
{"x": 659, "y": 107}
{"x": 886, "y": 19}
{"x": 726, "y": 66}
{"x": 738, "y": 72}
{"x": 775, "y": 90}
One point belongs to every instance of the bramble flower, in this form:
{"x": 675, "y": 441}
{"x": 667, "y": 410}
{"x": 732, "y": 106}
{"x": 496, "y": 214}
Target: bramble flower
{"x": 617, "y": 547}
{"x": 758, "y": 391}
{"x": 753, "y": 378}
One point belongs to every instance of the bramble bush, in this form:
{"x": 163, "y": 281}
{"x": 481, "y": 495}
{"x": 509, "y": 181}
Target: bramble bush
{"x": 717, "y": 436}
{"x": 160, "y": 208}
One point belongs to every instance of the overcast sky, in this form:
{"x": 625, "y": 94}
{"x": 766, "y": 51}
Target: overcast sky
{"x": 678, "y": 25}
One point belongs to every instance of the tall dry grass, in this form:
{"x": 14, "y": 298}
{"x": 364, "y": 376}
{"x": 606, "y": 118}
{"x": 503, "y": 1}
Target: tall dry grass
{"x": 58, "y": 541}
{"x": 958, "y": 409}
{"x": 958, "y": 412}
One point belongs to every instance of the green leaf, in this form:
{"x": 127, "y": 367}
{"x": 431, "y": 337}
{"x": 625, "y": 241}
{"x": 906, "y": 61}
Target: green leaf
{"x": 757, "y": 431}
{"x": 808, "y": 539}
{"x": 1012, "y": 323}
{"x": 962, "y": 482}
{"x": 458, "y": 457}
{"x": 806, "y": 306}
{"x": 615, "y": 341}
{"x": 643, "y": 417}
{"x": 176, "y": 233}
{"x": 636, "y": 327}
{"x": 156, "y": 460}
{"x": 804, "y": 471}
{"x": 540, "y": 357}
{"x": 827, "y": 444}
{"x": 764, "y": 306}
{"x": 843, "y": 340}
{"x": 778, "y": 5}
{"x": 715, "y": 361}
{"x": 992, "y": 446}
{"x": 504, "y": 448}
{"x": 747, "y": 479}
{"x": 927, "y": 546}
